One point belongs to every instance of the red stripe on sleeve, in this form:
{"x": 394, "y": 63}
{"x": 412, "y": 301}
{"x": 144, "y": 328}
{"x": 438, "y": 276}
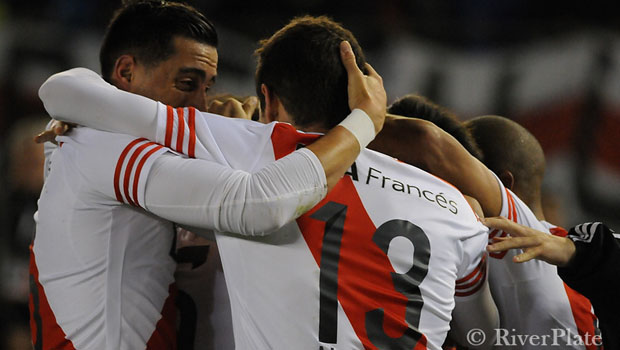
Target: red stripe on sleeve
{"x": 191, "y": 123}
{"x": 128, "y": 169}
{"x": 119, "y": 166}
{"x": 474, "y": 272}
{"x": 136, "y": 177}
{"x": 169, "y": 126}
{"x": 468, "y": 286}
{"x": 512, "y": 214}
{"x": 181, "y": 128}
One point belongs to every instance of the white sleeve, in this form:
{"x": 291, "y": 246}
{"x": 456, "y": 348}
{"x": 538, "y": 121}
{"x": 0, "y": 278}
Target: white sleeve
{"x": 82, "y": 97}
{"x": 204, "y": 194}
{"x": 48, "y": 149}
{"x": 474, "y": 307}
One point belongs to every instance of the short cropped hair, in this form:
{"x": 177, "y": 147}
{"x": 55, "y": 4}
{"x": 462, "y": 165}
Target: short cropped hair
{"x": 301, "y": 64}
{"x": 416, "y": 106}
{"x": 146, "y": 29}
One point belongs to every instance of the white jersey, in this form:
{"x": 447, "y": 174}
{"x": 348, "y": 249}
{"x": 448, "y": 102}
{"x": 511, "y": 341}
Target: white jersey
{"x": 205, "y": 321}
{"x": 96, "y": 285}
{"x": 102, "y": 267}
{"x": 531, "y": 298}
{"x": 375, "y": 265}
{"x": 383, "y": 251}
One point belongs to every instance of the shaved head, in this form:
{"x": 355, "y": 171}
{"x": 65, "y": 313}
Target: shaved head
{"x": 513, "y": 154}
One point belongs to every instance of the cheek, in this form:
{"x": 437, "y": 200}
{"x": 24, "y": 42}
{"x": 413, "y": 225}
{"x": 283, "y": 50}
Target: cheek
{"x": 173, "y": 97}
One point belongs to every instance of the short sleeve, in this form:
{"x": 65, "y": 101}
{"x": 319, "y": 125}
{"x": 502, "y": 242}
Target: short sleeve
{"x": 473, "y": 269}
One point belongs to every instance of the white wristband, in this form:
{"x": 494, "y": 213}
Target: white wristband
{"x": 361, "y": 126}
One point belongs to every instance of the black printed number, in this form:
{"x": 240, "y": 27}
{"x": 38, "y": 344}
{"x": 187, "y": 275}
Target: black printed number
{"x": 334, "y": 215}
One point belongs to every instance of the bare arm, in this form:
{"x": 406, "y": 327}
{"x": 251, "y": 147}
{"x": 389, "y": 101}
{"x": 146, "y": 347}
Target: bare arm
{"x": 423, "y": 144}
{"x": 474, "y": 320}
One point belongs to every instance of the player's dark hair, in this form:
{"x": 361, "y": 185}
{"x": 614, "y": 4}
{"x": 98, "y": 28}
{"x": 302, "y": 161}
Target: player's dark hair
{"x": 415, "y": 106}
{"x": 301, "y": 64}
{"x": 508, "y": 146}
{"x": 146, "y": 30}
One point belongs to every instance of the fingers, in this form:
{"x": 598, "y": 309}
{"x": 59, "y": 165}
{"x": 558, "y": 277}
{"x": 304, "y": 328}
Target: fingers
{"x": 45, "y": 136}
{"x": 56, "y": 128}
{"x": 528, "y": 254}
{"x": 508, "y": 226}
{"x": 232, "y": 108}
{"x": 60, "y": 128}
{"x": 506, "y": 243}
{"x": 249, "y": 106}
{"x": 373, "y": 73}
{"x": 348, "y": 60}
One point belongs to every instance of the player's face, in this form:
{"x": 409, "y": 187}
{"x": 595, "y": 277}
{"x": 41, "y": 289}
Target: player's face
{"x": 183, "y": 79}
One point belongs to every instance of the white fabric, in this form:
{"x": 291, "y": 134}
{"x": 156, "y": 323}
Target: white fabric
{"x": 273, "y": 281}
{"x": 80, "y": 93}
{"x": 104, "y": 267}
{"x": 203, "y": 194}
{"x": 204, "y": 307}
{"x": 361, "y": 126}
{"x": 87, "y": 243}
{"x": 530, "y": 296}
{"x": 268, "y": 278}
{"x": 80, "y": 209}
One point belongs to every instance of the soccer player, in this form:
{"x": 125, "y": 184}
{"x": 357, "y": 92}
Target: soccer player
{"x": 515, "y": 156}
{"x": 417, "y": 106}
{"x": 375, "y": 265}
{"x": 544, "y": 302}
{"x": 101, "y": 266}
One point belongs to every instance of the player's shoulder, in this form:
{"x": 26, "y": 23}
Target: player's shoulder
{"x": 86, "y": 135}
{"x": 420, "y": 176}
{"x": 86, "y": 147}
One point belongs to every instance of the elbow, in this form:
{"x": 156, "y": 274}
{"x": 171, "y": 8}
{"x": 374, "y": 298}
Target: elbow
{"x": 264, "y": 220}
{"x": 53, "y": 92}
{"x": 45, "y": 94}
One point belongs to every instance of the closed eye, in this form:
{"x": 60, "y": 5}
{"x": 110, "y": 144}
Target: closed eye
{"x": 187, "y": 85}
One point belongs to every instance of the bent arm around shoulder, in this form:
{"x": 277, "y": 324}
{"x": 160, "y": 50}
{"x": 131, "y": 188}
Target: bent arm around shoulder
{"x": 207, "y": 195}
{"x": 424, "y": 145}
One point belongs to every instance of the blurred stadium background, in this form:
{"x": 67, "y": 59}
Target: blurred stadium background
{"x": 553, "y": 66}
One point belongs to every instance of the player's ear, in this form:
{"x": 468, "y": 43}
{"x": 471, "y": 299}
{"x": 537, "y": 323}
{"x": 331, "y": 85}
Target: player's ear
{"x": 270, "y": 112}
{"x": 507, "y": 179}
{"x": 123, "y": 72}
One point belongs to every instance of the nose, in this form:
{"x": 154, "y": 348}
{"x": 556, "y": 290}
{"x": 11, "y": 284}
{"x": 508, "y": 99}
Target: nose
{"x": 198, "y": 100}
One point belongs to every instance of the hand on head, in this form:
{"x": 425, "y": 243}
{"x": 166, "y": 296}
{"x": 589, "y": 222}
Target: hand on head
{"x": 366, "y": 92}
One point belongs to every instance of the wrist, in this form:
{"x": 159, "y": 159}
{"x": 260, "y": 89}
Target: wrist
{"x": 361, "y": 126}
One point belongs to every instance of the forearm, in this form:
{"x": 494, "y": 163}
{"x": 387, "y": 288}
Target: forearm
{"x": 337, "y": 150}
{"x": 82, "y": 97}
{"x": 424, "y": 145}
{"x": 473, "y": 312}
{"x": 207, "y": 195}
